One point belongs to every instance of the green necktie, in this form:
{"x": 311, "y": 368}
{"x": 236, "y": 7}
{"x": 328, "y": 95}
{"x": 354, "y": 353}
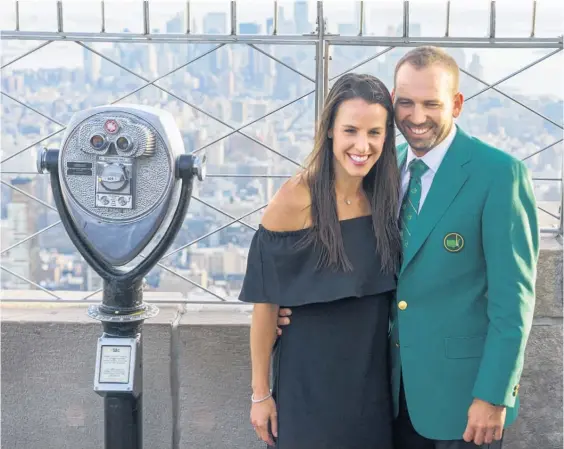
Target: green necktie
{"x": 411, "y": 199}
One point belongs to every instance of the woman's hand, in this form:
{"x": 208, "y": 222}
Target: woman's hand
{"x": 261, "y": 414}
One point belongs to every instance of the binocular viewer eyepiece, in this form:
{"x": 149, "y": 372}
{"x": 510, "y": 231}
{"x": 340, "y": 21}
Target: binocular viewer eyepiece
{"x": 119, "y": 168}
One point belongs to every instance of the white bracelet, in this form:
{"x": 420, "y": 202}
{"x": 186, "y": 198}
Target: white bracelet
{"x": 256, "y": 401}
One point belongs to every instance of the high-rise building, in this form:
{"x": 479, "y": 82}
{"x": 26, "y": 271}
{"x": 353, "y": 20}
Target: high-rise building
{"x": 301, "y": 17}
{"x": 23, "y": 259}
{"x": 92, "y": 66}
{"x": 252, "y": 71}
{"x": 285, "y": 82}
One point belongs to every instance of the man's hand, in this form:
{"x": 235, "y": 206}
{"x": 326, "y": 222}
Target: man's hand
{"x": 283, "y": 319}
{"x": 485, "y": 422}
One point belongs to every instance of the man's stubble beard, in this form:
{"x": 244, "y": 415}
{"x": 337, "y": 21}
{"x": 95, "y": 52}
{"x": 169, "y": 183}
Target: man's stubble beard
{"x": 419, "y": 145}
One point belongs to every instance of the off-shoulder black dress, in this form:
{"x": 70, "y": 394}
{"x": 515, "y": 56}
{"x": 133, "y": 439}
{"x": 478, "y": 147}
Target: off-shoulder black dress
{"x": 330, "y": 366}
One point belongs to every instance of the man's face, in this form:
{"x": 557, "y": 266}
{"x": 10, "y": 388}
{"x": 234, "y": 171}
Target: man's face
{"x": 426, "y": 104}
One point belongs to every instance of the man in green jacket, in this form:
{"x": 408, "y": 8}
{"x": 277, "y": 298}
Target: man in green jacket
{"x": 466, "y": 286}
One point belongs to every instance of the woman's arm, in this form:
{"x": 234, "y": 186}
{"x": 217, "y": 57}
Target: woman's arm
{"x": 288, "y": 210}
{"x": 263, "y": 335}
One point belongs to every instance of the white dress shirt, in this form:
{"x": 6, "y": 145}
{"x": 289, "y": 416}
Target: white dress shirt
{"x": 432, "y": 159}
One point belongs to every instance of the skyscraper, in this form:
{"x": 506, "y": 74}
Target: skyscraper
{"x": 23, "y": 259}
{"x": 301, "y": 17}
{"x": 92, "y": 66}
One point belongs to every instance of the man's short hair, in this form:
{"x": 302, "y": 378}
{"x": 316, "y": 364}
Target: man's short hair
{"x": 426, "y": 56}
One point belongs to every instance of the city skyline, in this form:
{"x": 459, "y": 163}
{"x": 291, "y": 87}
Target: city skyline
{"x": 234, "y": 85}
{"x": 380, "y": 18}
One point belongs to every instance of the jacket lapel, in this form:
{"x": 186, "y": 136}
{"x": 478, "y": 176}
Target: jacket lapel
{"x": 447, "y": 182}
{"x": 402, "y": 155}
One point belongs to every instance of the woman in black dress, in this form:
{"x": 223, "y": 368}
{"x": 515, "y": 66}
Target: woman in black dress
{"x": 328, "y": 246}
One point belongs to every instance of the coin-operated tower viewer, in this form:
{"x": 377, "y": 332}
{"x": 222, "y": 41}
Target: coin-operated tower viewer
{"x": 122, "y": 185}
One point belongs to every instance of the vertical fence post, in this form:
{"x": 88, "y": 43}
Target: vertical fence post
{"x": 561, "y": 227}
{"x": 326, "y": 62}
{"x": 103, "y": 18}
{"x": 17, "y": 16}
{"x": 319, "y": 63}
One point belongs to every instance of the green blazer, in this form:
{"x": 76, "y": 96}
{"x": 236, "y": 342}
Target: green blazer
{"x": 466, "y": 289}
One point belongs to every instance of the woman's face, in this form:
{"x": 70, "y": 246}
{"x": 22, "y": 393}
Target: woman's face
{"x": 358, "y": 136}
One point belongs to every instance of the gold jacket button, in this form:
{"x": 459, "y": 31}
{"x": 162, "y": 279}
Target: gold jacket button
{"x": 515, "y": 390}
{"x": 402, "y": 305}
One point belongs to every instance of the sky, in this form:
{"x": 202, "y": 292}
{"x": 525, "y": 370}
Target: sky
{"x": 468, "y": 18}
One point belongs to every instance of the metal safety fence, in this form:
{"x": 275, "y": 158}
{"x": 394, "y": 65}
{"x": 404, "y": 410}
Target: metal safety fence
{"x": 323, "y": 43}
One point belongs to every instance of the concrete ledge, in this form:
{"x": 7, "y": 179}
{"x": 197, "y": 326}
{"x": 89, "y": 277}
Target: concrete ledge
{"x": 197, "y": 375}
{"x": 549, "y": 279}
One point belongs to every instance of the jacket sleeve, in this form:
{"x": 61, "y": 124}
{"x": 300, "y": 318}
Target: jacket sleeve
{"x": 510, "y": 238}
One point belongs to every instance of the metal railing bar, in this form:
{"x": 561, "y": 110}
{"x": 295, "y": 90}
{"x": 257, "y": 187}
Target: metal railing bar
{"x": 534, "y": 19}
{"x": 513, "y": 99}
{"x": 103, "y": 18}
{"x": 33, "y": 50}
{"x": 17, "y": 15}
{"x": 446, "y": 41}
{"x": 302, "y": 111}
{"x": 268, "y": 55}
{"x": 306, "y": 39}
{"x": 362, "y": 62}
{"x": 361, "y": 18}
{"x": 30, "y": 237}
{"x": 550, "y": 231}
{"x": 208, "y": 175}
{"x": 447, "y": 30}
{"x": 167, "y": 74}
{"x": 233, "y": 18}
{"x": 187, "y": 15}
{"x": 220, "y": 175}
{"x": 146, "y": 18}
{"x": 28, "y": 195}
{"x": 275, "y": 24}
{"x": 327, "y": 52}
{"x": 31, "y": 108}
{"x": 561, "y": 224}
{"x": 547, "y": 179}
{"x": 214, "y": 231}
{"x": 29, "y": 281}
{"x": 60, "y": 16}
{"x": 92, "y": 294}
{"x": 187, "y": 103}
{"x": 405, "y": 22}
{"x": 511, "y": 75}
{"x": 549, "y": 213}
{"x": 320, "y": 45}
{"x": 222, "y": 212}
{"x": 544, "y": 149}
{"x": 32, "y": 145}
{"x": 168, "y": 38}
{"x": 491, "y": 30}
{"x": 223, "y": 302}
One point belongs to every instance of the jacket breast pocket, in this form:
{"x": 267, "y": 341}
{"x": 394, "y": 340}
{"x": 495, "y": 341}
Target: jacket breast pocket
{"x": 464, "y": 347}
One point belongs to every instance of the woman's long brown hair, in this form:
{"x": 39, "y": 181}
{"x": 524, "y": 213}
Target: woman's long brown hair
{"x": 381, "y": 185}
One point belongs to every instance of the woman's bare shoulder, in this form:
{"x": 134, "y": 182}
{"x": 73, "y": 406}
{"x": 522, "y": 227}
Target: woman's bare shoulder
{"x": 289, "y": 209}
